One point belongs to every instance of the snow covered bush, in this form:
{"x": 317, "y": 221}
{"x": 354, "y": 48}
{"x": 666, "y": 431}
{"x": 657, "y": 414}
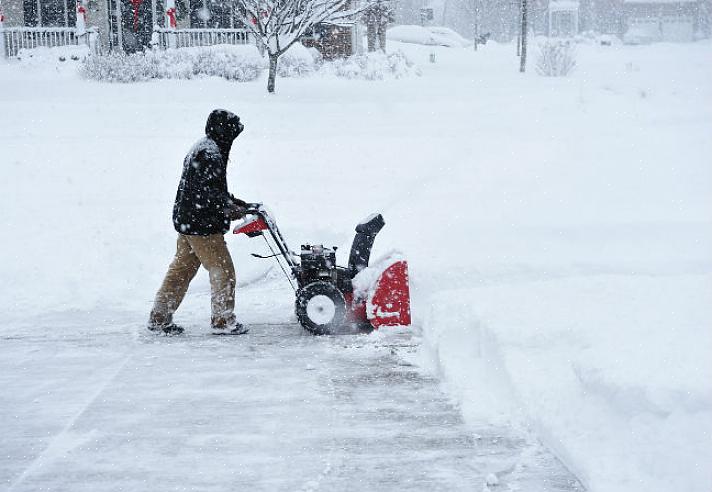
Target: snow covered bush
{"x": 297, "y": 61}
{"x": 556, "y": 58}
{"x": 374, "y": 66}
{"x": 241, "y": 63}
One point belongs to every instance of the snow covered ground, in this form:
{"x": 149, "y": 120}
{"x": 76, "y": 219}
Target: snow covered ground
{"x": 559, "y": 234}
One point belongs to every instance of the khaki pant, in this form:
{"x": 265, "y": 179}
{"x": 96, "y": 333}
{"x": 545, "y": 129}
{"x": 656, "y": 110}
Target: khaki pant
{"x": 191, "y": 252}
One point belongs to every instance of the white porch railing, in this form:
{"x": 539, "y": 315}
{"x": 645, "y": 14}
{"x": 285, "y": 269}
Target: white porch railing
{"x": 181, "y": 38}
{"x": 17, "y": 38}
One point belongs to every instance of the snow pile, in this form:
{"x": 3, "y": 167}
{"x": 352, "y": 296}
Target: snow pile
{"x": 431, "y": 36}
{"x": 56, "y": 59}
{"x": 618, "y": 390}
{"x": 556, "y": 58}
{"x": 373, "y": 66}
{"x": 43, "y": 55}
{"x": 297, "y": 61}
{"x": 241, "y": 63}
{"x": 448, "y": 37}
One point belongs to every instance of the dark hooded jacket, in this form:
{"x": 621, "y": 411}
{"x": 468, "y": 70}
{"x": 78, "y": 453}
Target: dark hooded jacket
{"x": 202, "y": 197}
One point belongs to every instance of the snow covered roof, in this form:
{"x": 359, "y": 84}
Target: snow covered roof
{"x": 563, "y": 5}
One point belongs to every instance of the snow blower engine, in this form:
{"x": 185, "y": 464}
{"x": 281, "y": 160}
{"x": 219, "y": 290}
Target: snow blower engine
{"x": 329, "y": 297}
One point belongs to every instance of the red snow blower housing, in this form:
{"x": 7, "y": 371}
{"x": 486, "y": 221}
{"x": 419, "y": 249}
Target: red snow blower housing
{"x": 329, "y": 296}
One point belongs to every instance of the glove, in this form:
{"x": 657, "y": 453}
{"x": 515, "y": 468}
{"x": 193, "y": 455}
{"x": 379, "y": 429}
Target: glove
{"x": 235, "y": 211}
{"x": 237, "y": 201}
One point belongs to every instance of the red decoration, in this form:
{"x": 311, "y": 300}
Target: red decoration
{"x": 136, "y": 4}
{"x": 82, "y": 10}
{"x": 171, "y": 13}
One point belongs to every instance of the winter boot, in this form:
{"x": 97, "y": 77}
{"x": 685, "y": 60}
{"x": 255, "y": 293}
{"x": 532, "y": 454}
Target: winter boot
{"x": 234, "y": 328}
{"x": 169, "y": 329}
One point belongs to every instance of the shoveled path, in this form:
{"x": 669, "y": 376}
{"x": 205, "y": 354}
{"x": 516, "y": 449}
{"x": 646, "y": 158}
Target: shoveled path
{"x": 88, "y": 409}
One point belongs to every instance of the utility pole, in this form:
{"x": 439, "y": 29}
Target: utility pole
{"x": 518, "y": 27}
{"x": 3, "y": 53}
{"x": 523, "y": 34}
{"x": 477, "y": 22}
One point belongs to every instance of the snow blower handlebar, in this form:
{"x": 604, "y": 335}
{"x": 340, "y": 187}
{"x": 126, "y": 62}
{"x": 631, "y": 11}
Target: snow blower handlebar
{"x": 262, "y": 221}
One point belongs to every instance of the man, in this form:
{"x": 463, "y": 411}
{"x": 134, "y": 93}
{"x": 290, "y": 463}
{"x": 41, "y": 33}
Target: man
{"x": 201, "y": 215}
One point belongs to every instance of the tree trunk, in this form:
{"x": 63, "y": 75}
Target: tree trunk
{"x": 371, "y": 36}
{"x": 382, "y": 27}
{"x": 272, "y": 73}
{"x": 523, "y": 59}
{"x": 519, "y": 31}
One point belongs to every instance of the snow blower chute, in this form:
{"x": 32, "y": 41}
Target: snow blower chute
{"x": 329, "y": 296}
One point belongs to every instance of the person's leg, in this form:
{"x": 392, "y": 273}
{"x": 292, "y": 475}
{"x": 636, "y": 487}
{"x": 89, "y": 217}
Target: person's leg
{"x": 183, "y": 268}
{"x": 215, "y": 257}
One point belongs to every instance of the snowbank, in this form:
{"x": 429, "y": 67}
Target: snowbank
{"x": 44, "y": 56}
{"x": 373, "y": 66}
{"x": 618, "y": 388}
{"x": 64, "y": 60}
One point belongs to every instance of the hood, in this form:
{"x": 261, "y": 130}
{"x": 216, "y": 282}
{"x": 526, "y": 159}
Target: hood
{"x": 223, "y": 126}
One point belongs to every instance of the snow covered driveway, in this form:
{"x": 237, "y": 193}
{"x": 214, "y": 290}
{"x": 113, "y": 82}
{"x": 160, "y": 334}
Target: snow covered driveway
{"x": 559, "y": 238}
{"x": 273, "y": 410}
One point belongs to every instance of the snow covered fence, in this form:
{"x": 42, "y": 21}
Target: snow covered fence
{"x": 241, "y": 63}
{"x": 181, "y": 38}
{"x": 24, "y": 38}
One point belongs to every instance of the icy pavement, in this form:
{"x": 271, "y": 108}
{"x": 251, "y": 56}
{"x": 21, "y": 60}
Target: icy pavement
{"x": 91, "y": 408}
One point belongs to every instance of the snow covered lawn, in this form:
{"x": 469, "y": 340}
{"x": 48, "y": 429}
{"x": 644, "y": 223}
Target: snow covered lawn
{"x": 559, "y": 233}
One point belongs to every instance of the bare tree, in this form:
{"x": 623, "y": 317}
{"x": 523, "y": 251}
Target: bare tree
{"x": 278, "y": 24}
{"x": 377, "y": 16}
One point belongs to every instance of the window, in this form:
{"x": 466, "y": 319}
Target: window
{"x": 51, "y": 13}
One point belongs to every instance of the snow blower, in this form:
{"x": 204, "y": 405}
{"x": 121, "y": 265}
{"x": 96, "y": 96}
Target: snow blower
{"x": 329, "y": 297}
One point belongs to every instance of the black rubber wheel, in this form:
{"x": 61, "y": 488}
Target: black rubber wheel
{"x": 320, "y": 308}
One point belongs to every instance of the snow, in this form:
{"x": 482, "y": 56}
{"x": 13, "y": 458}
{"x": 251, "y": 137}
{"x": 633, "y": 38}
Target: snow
{"x": 564, "y": 6}
{"x": 298, "y": 60}
{"x": 432, "y": 36}
{"x": 559, "y": 239}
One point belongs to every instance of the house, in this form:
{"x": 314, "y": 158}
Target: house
{"x": 563, "y": 18}
{"x": 661, "y": 20}
{"x": 132, "y": 25}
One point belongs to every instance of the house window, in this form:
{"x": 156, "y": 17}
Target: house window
{"x": 220, "y": 14}
{"x": 55, "y": 13}
{"x": 212, "y": 14}
{"x": 30, "y": 13}
{"x": 51, "y": 13}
